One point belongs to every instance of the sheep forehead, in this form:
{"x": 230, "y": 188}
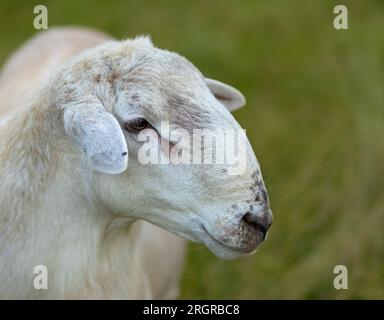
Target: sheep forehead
{"x": 166, "y": 85}
{"x": 161, "y": 83}
{"x": 165, "y": 69}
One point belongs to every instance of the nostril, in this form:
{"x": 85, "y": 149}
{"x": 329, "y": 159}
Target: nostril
{"x": 256, "y": 223}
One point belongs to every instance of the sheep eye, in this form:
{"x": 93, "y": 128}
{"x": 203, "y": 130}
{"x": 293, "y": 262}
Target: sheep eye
{"x": 136, "y": 125}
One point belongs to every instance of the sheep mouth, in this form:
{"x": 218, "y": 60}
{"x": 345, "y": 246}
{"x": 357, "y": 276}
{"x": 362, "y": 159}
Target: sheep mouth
{"x": 217, "y": 243}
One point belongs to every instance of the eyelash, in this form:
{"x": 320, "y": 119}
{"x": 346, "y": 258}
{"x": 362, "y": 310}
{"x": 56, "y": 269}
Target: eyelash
{"x": 137, "y": 125}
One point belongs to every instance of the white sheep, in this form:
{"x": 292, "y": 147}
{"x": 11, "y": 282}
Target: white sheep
{"x": 72, "y": 201}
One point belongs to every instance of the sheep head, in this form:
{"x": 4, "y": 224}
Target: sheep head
{"x": 118, "y": 97}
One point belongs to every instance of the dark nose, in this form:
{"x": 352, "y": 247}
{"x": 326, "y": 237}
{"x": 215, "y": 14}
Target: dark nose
{"x": 258, "y": 223}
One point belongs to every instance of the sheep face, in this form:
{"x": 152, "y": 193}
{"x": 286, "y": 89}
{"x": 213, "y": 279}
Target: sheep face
{"x": 137, "y": 115}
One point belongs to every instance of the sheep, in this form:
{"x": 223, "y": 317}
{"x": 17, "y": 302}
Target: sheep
{"x": 74, "y": 196}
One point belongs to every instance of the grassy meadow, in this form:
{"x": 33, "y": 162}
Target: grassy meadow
{"x": 315, "y": 117}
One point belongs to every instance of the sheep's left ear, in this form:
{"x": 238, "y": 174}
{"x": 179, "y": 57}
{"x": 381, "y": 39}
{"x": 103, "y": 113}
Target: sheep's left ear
{"x": 98, "y": 134}
{"x": 229, "y": 96}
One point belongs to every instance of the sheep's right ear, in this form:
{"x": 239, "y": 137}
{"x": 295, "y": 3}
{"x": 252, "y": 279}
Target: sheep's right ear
{"x": 227, "y": 95}
{"x": 99, "y": 135}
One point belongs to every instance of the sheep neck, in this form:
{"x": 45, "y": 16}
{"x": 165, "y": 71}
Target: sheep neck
{"x": 49, "y": 211}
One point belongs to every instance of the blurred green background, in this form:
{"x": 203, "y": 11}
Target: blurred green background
{"x": 314, "y": 116}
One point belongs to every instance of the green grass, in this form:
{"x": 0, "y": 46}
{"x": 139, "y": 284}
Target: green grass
{"x": 314, "y": 116}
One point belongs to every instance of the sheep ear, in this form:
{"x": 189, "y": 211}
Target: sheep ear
{"x": 99, "y": 135}
{"x": 229, "y": 96}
